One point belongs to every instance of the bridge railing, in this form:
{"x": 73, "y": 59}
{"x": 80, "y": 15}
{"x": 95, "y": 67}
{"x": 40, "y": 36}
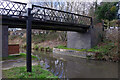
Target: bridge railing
{"x": 48, "y": 14}
{"x": 17, "y": 9}
{"x": 9, "y": 8}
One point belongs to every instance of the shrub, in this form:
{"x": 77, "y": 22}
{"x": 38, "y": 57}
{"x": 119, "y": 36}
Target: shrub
{"x": 36, "y": 47}
{"x": 24, "y": 46}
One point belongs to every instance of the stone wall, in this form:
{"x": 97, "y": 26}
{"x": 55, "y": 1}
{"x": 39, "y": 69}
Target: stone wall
{"x": 97, "y": 34}
{"x": 82, "y": 54}
{"x": 78, "y": 40}
{"x": 85, "y": 40}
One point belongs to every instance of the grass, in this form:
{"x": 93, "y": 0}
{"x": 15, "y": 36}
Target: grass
{"x": 20, "y": 72}
{"x": 12, "y": 37}
{"x": 64, "y": 47}
{"x": 102, "y": 49}
{"x": 22, "y": 55}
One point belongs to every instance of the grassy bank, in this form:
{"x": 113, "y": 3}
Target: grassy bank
{"x": 64, "y": 47}
{"x": 20, "y": 72}
{"x": 106, "y": 50}
{"x": 14, "y": 57}
{"x": 102, "y": 48}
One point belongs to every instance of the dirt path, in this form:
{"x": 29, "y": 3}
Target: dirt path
{"x": 7, "y": 64}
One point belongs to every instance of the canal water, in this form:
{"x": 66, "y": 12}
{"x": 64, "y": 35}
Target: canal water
{"x": 74, "y": 67}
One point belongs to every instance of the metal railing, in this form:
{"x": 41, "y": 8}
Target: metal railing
{"x": 17, "y": 9}
{"x": 9, "y": 8}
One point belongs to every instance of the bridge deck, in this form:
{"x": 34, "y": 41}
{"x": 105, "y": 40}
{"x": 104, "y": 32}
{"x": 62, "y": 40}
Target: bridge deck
{"x": 14, "y": 15}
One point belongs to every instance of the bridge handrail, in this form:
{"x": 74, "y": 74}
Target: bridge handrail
{"x": 71, "y": 17}
{"x": 61, "y": 18}
{"x": 8, "y": 10}
{"x": 61, "y": 11}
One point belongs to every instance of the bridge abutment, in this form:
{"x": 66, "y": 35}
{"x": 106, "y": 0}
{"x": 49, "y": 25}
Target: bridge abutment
{"x": 78, "y": 40}
{"x": 4, "y": 41}
{"x": 85, "y": 40}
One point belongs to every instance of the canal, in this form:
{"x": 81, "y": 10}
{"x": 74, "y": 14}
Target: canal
{"x": 74, "y": 67}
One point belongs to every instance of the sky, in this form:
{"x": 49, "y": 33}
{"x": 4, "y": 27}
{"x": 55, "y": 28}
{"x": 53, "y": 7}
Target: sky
{"x": 55, "y": 0}
{"x": 25, "y": 1}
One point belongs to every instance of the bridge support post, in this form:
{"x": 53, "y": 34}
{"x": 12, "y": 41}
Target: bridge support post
{"x": 79, "y": 40}
{"x": 4, "y": 41}
{"x": 29, "y": 60}
{"x": 85, "y": 40}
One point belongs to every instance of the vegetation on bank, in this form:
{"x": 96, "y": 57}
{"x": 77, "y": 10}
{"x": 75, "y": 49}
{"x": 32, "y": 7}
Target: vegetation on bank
{"x": 20, "y": 72}
{"x": 45, "y": 37}
{"x": 106, "y": 50}
{"x": 103, "y": 48}
{"x": 40, "y": 48}
{"x": 46, "y": 49}
{"x": 21, "y": 55}
{"x": 65, "y": 47}
{"x": 39, "y": 41}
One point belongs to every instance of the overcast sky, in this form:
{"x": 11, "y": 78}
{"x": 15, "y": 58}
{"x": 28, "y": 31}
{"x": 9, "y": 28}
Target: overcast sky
{"x": 25, "y": 1}
{"x": 56, "y": 0}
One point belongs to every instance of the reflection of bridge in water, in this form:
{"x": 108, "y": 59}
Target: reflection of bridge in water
{"x": 52, "y": 64}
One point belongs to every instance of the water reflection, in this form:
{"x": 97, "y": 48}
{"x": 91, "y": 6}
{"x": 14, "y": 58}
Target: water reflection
{"x": 52, "y": 64}
{"x": 73, "y": 67}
